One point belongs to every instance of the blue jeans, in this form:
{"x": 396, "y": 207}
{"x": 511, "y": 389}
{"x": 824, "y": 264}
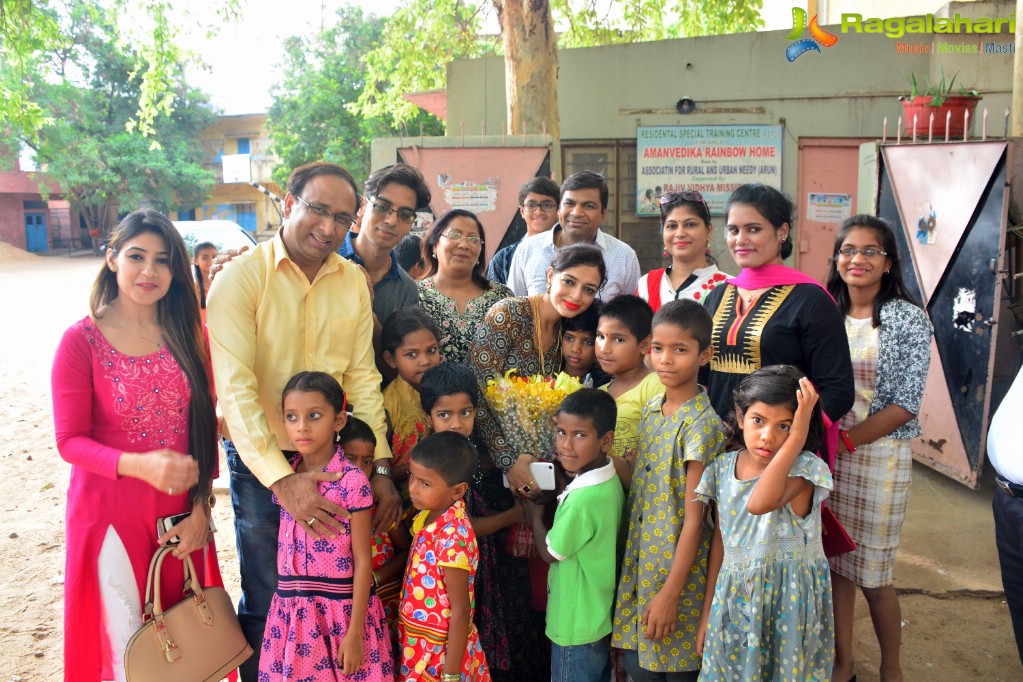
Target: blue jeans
{"x": 256, "y": 521}
{"x": 582, "y": 662}
{"x": 1008, "y": 512}
{"x": 630, "y": 657}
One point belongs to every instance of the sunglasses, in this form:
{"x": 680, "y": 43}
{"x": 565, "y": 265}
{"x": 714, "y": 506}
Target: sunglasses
{"x": 685, "y": 195}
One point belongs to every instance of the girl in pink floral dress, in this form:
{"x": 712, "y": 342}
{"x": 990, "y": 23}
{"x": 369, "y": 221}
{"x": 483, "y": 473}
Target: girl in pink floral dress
{"x": 325, "y": 621}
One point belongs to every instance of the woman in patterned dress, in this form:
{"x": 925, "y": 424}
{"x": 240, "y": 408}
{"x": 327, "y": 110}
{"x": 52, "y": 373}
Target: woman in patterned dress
{"x": 456, "y": 292}
{"x": 134, "y": 416}
{"x": 889, "y": 338}
{"x": 524, "y": 333}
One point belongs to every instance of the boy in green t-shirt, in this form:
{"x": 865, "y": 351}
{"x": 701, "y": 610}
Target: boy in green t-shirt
{"x": 580, "y": 546}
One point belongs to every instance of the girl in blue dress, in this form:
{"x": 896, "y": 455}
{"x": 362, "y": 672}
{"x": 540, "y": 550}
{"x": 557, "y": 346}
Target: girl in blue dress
{"x": 770, "y": 618}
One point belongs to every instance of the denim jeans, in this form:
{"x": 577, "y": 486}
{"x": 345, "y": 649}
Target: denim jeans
{"x": 1008, "y": 512}
{"x": 256, "y": 521}
{"x": 582, "y": 662}
{"x": 630, "y": 657}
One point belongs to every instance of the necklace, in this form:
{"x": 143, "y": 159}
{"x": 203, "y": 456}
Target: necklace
{"x": 749, "y": 296}
{"x": 138, "y": 332}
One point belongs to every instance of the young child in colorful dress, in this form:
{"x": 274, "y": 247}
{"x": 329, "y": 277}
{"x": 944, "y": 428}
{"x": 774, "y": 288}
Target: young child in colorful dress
{"x": 411, "y": 345}
{"x": 389, "y": 550}
{"x": 580, "y": 545}
{"x": 771, "y": 613}
{"x": 623, "y": 342}
{"x": 437, "y": 635}
{"x": 664, "y": 569}
{"x": 325, "y": 622}
{"x": 450, "y": 397}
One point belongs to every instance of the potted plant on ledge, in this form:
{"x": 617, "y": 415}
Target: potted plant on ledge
{"x": 938, "y": 98}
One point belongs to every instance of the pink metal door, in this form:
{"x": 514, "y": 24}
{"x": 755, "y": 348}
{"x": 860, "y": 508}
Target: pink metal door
{"x": 826, "y": 195}
{"x": 948, "y": 203}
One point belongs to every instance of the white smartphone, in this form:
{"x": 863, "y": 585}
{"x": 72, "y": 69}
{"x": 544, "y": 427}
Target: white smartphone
{"x": 542, "y": 473}
{"x": 165, "y": 523}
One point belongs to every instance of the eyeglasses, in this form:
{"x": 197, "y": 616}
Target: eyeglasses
{"x": 685, "y": 195}
{"x": 850, "y": 252}
{"x": 343, "y": 220}
{"x": 545, "y": 206}
{"x": 456, "y": 236}
{"x": 405, "y": 215}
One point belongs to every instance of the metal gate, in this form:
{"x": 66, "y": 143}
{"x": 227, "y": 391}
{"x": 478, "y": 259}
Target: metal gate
{"x": 948, "y": 203}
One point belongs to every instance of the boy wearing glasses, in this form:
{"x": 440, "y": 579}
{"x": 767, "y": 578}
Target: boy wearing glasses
{"x": 393, "y": 196}
{"x": 538, "y": 206}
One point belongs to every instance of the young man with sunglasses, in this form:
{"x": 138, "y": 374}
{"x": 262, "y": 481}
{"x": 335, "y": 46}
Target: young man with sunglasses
{"x": 583, "y": 210}
{"x": 538, "y": 206}
{"x": 393, "y": 196}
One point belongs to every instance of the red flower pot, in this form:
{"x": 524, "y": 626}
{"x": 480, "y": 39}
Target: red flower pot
{"x": 920, "y": 106}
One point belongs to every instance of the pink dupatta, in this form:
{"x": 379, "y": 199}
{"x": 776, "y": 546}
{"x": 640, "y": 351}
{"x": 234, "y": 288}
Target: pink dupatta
{"x": 777, "y": 275}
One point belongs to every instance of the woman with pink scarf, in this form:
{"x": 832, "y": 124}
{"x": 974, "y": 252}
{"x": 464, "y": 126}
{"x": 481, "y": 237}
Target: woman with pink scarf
{"x": 772, "y": 314}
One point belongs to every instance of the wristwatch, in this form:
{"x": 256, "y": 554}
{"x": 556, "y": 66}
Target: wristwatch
{"x": 211, "y": 500}
{"x": 382, "y": 471}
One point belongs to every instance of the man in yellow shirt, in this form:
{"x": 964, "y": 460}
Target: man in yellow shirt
{"x": 293, "y": 304}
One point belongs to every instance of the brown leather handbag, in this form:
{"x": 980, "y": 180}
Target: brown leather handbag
{"x": 197, "y": 639}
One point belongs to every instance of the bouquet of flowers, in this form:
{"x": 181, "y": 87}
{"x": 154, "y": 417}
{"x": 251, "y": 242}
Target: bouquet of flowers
{"x": 525, "y": 406}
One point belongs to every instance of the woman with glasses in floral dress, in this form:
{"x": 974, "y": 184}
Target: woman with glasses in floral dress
{"x": 456, "y": 293}
{"x": 686, "y": 231}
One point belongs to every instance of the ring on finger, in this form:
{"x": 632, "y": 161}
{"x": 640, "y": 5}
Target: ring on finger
{"x": 526, "y": 489}
{"x": 311, "y": 521}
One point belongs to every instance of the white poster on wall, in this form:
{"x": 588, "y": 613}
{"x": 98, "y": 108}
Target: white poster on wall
{"x": 711, "y": 160}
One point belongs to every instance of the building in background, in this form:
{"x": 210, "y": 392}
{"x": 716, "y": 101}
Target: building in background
{"x": 237, "y": 151}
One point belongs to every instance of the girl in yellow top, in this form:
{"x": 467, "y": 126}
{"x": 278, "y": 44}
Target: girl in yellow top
{"x": 411, "y": 345}
{"x": 623, "y": 342}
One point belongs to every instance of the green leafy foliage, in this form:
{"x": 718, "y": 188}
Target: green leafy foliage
{"x": 425, "y": 35}
{"x": 939, "y": 91}
{"x": 90, "y": 153}
{"x": 419, "y": 40}
{"x": 37, "y": 34}
{"x": 312, "y": 116}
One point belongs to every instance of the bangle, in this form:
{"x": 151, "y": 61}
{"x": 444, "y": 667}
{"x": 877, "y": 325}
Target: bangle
{"x": 376, "y": 579}
{"x": 451, "y": 677}
{"x": 844, "y": 435}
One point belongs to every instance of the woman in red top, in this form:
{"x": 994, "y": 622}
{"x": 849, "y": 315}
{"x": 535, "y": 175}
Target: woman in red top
{"x": 134, "y": 416}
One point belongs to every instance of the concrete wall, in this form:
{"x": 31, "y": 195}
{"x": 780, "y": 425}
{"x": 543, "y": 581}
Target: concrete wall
{"x": 606, "y": 92}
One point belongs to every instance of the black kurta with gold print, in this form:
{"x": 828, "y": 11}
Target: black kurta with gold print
{"x": 795, "y": 324}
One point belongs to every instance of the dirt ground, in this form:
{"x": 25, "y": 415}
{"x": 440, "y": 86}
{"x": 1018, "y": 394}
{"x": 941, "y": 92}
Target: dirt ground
{"x": 956, "y": 621}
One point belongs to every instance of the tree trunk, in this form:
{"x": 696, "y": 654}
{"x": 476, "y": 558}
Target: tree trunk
{"x": 530, "y": 67}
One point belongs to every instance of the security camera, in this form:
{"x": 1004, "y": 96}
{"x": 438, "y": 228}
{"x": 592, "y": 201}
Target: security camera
{"x": 686, "y": 105}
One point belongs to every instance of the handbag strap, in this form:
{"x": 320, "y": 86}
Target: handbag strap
{"x": 154, "y": 606}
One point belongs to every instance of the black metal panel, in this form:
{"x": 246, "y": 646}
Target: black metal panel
{"x": 888, "y": 209}
{"x": 963, "y": 336}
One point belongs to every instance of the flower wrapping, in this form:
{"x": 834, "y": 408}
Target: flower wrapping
{"x": 525, "y": 407}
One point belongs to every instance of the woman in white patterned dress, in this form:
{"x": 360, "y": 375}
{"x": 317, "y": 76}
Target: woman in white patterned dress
{"x": 889, "y": 339}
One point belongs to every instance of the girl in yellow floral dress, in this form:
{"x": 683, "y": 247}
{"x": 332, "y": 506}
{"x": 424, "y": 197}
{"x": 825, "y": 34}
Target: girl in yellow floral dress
{"x": 411, "y": 345}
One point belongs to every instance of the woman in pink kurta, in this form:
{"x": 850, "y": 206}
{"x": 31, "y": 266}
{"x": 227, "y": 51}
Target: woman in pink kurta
{"x": 134, "y": 427}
